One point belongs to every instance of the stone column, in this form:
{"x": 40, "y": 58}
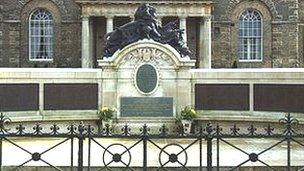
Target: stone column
{"x": 132, "y": 18}
{"x": 205, "y": 43}
{"x": 183, "y": 25}
{"x": 109, "y": 23}
{"x": 87, "y": 58}
{"x": 41, "y": 98}
{"x": 92, "y": 44}
{"x": 251, "y": 97}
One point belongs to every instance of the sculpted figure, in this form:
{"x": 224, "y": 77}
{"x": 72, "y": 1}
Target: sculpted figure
{"x": 173, "y": 36}
{"x": 145, "y": 25}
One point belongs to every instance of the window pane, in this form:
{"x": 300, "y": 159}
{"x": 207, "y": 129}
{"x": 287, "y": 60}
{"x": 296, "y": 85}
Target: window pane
{"x": 41, "y": 35}
{"x": 250, "y": 28}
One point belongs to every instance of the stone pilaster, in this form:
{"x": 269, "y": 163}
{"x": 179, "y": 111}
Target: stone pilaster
{"x": 109, "y": 23}
{"x": 183, "y": 26}
{"x": 41, "y": 98}
{"x": 205, "y": 43}
{"x": 87, "y": 58}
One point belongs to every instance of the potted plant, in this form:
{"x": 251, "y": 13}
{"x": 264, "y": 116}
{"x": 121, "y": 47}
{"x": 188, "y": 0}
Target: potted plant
{"x": 105, "y": 116}
{"x": 187, "y": 115}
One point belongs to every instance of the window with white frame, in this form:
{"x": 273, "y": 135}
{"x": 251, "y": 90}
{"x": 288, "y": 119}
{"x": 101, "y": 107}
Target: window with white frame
{"x": 41, "y": 35}
{"x": 250, "y": 36}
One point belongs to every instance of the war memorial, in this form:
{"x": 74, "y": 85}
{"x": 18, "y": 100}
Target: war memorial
{"x": 149, "y": 73}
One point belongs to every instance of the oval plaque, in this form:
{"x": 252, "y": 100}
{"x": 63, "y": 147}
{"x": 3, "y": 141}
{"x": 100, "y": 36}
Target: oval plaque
{"x": 146, "y": 78}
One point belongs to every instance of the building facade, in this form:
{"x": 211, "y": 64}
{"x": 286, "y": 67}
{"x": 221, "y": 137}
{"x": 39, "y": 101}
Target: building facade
{"x": 282, "y": 33}
{"x": 244, "y": 34}
{"x": 15, "y": 35}
{"x": 52, "y": 69}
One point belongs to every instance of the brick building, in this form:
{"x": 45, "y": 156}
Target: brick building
{"x": 48, "y": 47}
{"x": 276, "y": 28}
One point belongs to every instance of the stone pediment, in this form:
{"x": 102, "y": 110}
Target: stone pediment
{"x": 146, "y": 51}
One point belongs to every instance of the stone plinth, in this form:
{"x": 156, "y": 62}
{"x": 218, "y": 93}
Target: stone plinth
{"x": 173, "y": 76}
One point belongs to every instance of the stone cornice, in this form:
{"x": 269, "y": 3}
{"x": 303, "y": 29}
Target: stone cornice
{"x": 142, "y": 1}
{"x": 145, "y": 51}
{"x": 97, "y": 8}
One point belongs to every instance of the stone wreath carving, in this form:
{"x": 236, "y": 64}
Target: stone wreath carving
{"x": 147, "y": 54}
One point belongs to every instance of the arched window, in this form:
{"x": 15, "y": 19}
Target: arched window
{"x": 250, "y": 36}
{"x": 41, "y": 35}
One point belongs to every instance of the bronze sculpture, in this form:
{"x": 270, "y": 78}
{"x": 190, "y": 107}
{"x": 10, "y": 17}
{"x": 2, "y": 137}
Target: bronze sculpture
{"x": 145, "y": 26}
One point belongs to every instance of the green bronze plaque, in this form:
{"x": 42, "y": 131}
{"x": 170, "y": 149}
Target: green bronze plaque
{"x": 146, "y": 78}
{"x": 146, "y": 107}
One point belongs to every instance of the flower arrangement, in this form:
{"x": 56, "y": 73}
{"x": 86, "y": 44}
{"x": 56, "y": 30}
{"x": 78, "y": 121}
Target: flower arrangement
{"x": 188, "y": 113}
{"x": 106, "y": 114}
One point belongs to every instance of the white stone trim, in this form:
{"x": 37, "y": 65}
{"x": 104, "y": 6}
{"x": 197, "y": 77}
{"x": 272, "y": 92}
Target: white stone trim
{"x": 183, "y": 26}
{"x": 274, "y": 70}
{"x": 252, "y": 60}
{"x": 126, "y": 9}
{"x": 119, "y": 55}
{"x": 48, "y": 75}
{"x": 251, "y": 97}
{"x": 109, "y": 24}
{"x": 205, "y": 43}
{"x": 86, "y": 56}
{"x": 100, "y": 90}
{"x": 41, "y": 98}
{"x": 245, "y": 116}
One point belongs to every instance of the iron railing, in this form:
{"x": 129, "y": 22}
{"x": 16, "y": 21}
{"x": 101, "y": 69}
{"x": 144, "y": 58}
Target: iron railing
{"x": 206, "y": 141}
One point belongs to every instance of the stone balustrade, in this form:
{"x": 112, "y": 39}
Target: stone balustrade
{"x": 45, "y": 93}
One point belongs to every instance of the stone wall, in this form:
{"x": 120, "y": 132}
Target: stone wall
{"x": 49, "y": 92}
{"x": 281, "y": 39}
{"x": 99, "y": 27}
{"x": 283, "y": 36}
{"x": 125, "y": 87}
{"x": 14, "y": 15}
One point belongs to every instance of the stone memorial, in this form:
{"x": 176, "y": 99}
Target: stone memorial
{"x": 146, "y": 68}
{"x": 146, "y": 106}
{"x": 146, "y": 78}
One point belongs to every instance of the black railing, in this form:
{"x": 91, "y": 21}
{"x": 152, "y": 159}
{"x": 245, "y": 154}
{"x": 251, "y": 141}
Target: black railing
{"x": 204, "y": 142}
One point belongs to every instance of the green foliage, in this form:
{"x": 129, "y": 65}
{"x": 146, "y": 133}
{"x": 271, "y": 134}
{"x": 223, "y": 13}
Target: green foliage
{"x": 188, "y": 113}
{"x": 106, "y": 114}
